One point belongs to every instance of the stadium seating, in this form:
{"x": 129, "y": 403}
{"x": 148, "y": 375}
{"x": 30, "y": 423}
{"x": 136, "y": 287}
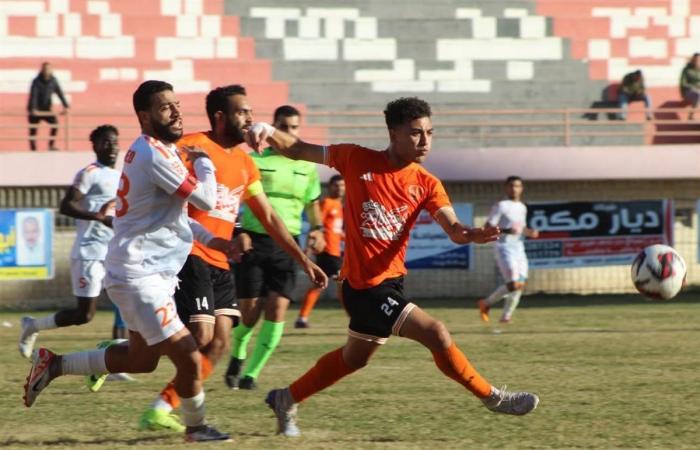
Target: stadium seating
{"x": 330, "y": 57}
{"x": 102, "y": 49}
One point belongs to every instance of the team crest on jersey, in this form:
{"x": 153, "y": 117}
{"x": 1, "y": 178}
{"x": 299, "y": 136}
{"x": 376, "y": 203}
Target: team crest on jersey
{"x": 416, "y": 192}
{"x": 228, "y": 201}
{"x": 382, "y": 224}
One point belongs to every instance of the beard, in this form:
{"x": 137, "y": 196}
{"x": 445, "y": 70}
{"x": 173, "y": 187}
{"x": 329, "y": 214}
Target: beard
{"x": 234, "y": 132}
{"x": 165, "y": 134}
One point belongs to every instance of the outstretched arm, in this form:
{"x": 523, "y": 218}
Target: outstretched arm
{"x": 261, "y": 134}
{"x": 461, "y": 234}
{"x": 273, "y": 224}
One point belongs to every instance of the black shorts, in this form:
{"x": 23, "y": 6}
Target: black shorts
{"x": 266, "y": 268}
{"x": 378, "y": 312}
{"x": 204, "y": 292}
{"x": 36, "y": 119}
{"x": 330, "y": 264}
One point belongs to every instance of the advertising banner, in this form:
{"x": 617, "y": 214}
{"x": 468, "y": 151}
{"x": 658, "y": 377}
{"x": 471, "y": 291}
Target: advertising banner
{"x": 580, "y": 234}
{"x": 26, "y": 244}
{"x": 430, "y": 248}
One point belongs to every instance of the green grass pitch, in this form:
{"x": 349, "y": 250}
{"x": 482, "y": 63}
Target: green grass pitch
{"x": 611, "y": 372}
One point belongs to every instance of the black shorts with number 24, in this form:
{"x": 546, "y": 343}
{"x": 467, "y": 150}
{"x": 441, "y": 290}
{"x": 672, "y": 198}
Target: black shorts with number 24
{"x": 378, "y": 312}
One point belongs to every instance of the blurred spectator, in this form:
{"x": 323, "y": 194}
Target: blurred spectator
{"x": 690, "y": 83}
{"x": 632, "y": 90}
{"x": 39, "y": 105}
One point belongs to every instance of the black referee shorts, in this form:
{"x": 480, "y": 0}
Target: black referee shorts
{"x": 266, "y": 268}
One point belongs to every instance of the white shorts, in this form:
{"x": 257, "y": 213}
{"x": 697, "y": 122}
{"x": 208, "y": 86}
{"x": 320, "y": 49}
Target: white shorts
{"x": 147, "y": 305}
{"x": 512, "y": 261}
{"x": 86, "y": 277}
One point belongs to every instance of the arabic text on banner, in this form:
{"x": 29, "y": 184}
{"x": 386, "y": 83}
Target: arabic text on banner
{"x": 579, "y": 234}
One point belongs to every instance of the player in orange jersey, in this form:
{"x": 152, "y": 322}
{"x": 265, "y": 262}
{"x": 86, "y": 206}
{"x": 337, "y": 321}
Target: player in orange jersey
{"x": 385, "y": 192}
{"x": 205, "y": 297}
{"x": 330, "y": 259}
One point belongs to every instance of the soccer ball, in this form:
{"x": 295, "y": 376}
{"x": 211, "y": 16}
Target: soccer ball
{"x": 658, "y": 272}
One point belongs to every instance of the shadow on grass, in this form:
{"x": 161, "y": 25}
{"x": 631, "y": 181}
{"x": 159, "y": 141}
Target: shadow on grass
{"x": 69, "y": 441}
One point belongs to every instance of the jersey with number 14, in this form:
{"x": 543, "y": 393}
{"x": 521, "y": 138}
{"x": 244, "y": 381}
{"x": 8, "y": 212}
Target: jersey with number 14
{"x": 151, "y": 230}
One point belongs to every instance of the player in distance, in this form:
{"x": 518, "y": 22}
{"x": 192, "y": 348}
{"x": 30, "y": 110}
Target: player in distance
{"x": 330, "y": 258}
{"x": 510, "y": 215}
{"x": 89, "y": 200}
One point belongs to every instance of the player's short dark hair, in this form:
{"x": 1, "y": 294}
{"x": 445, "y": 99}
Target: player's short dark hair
{"x": 405, "y": 109}
{"x": 101, "y": 131}
{"x": 512, "y": 178}
{"x": 335, "y": 178}
{"x": 217, "y": 99}
{"x": 285, "y": 111}
{"x": 142, "y": 95}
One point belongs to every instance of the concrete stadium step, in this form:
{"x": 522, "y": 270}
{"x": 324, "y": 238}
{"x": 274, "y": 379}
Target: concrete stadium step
{"x": 541, "y": 93}
{"x": 415, "y": 29}
{"x": 392, "y": 8}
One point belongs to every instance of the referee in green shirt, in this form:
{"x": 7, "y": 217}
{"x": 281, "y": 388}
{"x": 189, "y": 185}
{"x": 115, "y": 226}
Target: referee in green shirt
{"x": 265, "y": 275}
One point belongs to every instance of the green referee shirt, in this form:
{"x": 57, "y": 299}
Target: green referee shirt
{"x": 289, "y": 185}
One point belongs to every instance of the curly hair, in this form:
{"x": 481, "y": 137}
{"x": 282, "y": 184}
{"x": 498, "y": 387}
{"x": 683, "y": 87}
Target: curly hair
{"x": 102, "y": 130}
{"x": 405, "y": 109}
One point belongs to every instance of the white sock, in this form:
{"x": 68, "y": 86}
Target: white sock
{"x": 160, "y": 403}
{"x": 497, "y": 295}
{"x": 45, "y": 323}
{"x": 193, "y": 410}
{"x": 84, "y": 363}
{"x": 511, "y": 303}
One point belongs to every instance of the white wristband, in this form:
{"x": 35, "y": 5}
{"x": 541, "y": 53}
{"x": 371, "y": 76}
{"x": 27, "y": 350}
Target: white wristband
{"x": 259, "y": 127}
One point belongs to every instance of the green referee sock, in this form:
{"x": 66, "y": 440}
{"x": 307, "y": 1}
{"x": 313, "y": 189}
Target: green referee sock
{"x": 241, "y": 336}
{"x": 268, "y": 339}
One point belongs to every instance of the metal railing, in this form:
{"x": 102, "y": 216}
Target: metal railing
{"x": 482, "y": 126}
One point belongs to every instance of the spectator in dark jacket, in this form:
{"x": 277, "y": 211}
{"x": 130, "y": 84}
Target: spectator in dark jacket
{"x": 690, "y": 83}
{"x": 39, "y": 105}
{"x": 633, "y": 90}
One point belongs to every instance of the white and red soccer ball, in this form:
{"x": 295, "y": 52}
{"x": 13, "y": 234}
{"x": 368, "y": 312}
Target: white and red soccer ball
{"x": 658, "y": 272}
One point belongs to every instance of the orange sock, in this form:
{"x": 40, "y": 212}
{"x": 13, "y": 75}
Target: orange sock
{"x": 168, "y": 393}
{"x": 330, "y": 368}
{"x": 310, "y": 300}
{"x": 455, "y": 365}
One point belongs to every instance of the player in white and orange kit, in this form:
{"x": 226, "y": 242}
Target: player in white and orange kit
{"x": 152, "y": 238}
{"x": 88, "y": 200}
{"x": 510, "y": 215}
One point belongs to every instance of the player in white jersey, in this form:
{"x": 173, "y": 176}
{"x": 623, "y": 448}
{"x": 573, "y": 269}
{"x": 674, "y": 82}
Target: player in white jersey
{"x": 87, "y": 200}
{"x": 152, "y": 238}
{"x": 510, "y": 215}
